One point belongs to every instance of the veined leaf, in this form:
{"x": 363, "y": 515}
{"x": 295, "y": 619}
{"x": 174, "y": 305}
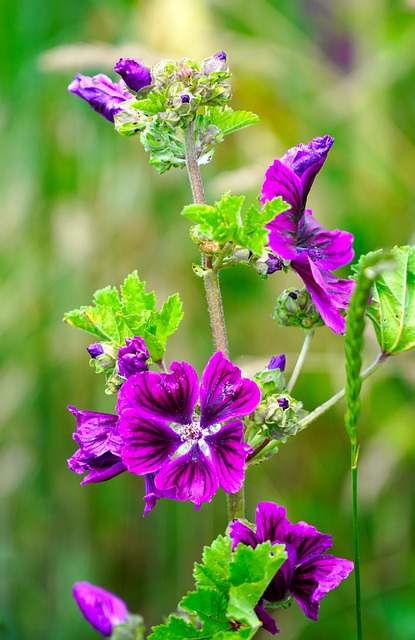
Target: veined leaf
{"x": 228, "y": 120}
{"x": 393, "y": 306}
{"x": 214, "y": 570}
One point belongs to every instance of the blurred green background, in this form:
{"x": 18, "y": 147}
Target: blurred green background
{"x": 81, "y": 208}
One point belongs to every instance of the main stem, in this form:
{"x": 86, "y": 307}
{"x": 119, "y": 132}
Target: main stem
{"x": 354, "y": 457}
{"x": 236, "y": 501}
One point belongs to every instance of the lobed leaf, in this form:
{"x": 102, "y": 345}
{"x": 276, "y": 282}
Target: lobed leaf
{"x": 228, "y": 120}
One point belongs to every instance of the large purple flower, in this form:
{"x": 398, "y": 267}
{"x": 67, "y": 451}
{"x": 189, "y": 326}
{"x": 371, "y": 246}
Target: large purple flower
{"x": 100, "y": 445}
{"x": 102, "y": 609}
{"x": 307, "y": 574}
{"x": 103, "y": 95}
{"x": 192, "y": 453}
{"x": 296, "y": 236}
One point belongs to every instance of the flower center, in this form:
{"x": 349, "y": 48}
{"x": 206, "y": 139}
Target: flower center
{"x": 315, "y": 253}
{"x": 190, "y": 432}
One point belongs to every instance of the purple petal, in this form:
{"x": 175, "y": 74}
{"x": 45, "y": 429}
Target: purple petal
{"x": 96, "y": 349}
{"x": 282, "y": 238}
{"x": 314, "y": 579}
{"x": 103, "y": 95}
{"x": 133, "y": 357}
{"x": 148, "y": 443}
{"x": 277, "y": 362}
{"x": 306, "y": 160}
{"x": 268, "y": 622}
{"x": 280, "y": 180}
{"x": 327, "y": 292}
{"x": 102, "y": 609}
{"x": 94, "y": 431}
{"x": 104, "y": 468}
{"x": 152, "y": 494}
{"x": 224, "y": 394}
{"x": 135, "y": 75}
{"x": 239, "y": 532}
{"x": 307, "y": 541}
{"x": 332, "y": 249}
{"x": 279, "y": 587}
{"x": 271, "y": 522}
{"x": 193, "y": 476}
{"x": 229, "y": 452}
{"x": 167, "y": 396}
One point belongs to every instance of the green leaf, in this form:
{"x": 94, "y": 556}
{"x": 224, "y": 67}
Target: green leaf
{"x": 228, "y": 120}
{"x": 153, "y": 103}
{"x": 250, "y": 573}
{"x": 223, "y": 222}
{"x": 393, "y": 307}
{"x": 169, "y": 318}
{"x": 214, "y": 570}
{"x": 210, "y": 606}
{"x": 176, "y": 629}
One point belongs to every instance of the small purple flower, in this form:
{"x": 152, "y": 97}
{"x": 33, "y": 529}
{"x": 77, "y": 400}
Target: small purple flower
{"x": 277, "y": 362}
{"x": 96, "y": 349}
{"x": 307, "y": 574}
{"x": 101, "y": 608}
{"x": 221, "y": 55}
{"x": 103, "y": 95}
{"x": 284, "y": 403}
{"x": 191, "y": 453}
{"x": 273, "y": 263}
{"x": 135, "y": 75}
{"x": 133, "y": 357}
{"x": 100, "y": 445}
{"x": 296, "y": 236}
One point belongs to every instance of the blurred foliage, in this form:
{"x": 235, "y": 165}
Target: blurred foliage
{"x": 81, "y": 208}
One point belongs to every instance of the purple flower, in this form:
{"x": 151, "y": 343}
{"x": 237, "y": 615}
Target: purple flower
{"x": 100, "y": 445}
{"x": 307, "y": 574}
{"x": 296, "y": 236}
{"x": 135, "y": 75}
{"x": 133, "y": 357}
{"x": 101, "y": 608}
{"x": 191, "y": 453}
{"x": 221, "y": 55}
{"x": 103, "y": 95}
{"x": 152, "y": 494}
{"x": 96, "y": 349}
{"x": 277, "y": 362}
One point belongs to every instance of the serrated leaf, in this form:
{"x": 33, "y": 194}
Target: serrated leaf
{"x": 134, "y": 297}
{"x": 228, "y": 120}
{"x": 169, "y": 318}
{"x": 393, "y": 306}
{"x": 176, "y": 629}
{"x": 214, "y": 570}
{"x": 152, "y": 104}
{"x": 210, "y": 606}
{"x": 251, "y": 571}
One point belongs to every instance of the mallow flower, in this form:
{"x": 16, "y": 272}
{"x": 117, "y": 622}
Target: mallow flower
{"x": 313, "y": 251}
{"x": 307, "y": 574}
{"x": 191, "y": 451}
{"x": 102, "y": 609}
{"x": 135, "y": 74}
{"x": 101, "y": 93}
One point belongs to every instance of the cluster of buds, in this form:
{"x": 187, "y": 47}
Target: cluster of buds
{"x": 118, "y": 364}
{"x": 295, "y": 308}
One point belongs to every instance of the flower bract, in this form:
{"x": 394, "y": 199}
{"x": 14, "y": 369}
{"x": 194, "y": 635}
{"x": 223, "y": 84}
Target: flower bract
{"x": 307, "y": 574}
{"x": 102, "y": 609}
{"x": 190, "y": 451}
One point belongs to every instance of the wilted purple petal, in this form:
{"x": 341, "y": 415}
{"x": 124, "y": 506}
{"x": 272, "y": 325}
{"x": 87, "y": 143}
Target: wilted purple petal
{"x": 102, "y": 609}
{"x": 103, "y": 95}
{"x": 193, "y": 476}
{"x": 229, "y": 452}
{"x": 268, "y": 622}
{"x": 306, "y": 160}
{"x": 167, "y": 396}
{"x": 224, "y": 394}
{"x": 133, "y": 357}
{"x": 135, "y": 75}
{"x": 314, "y": 579}
{"x": 148, "y": 443}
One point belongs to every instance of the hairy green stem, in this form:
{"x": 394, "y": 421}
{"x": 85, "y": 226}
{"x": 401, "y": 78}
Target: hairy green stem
{"x": 300, "y": 361}
{"x": 236, "y": 501}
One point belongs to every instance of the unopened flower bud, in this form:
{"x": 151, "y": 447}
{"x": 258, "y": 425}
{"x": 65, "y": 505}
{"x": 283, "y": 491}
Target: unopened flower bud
{"x": 103, "y": 356}
{"x": 135, "y": 75}
{"x": 102, "y": 609}
{"x": 133, "y": 357}
{"x": 95, "y": 349}
{"x": 277, "y": 362}
{"x": 295, "y": 308}
{"x": 214, "y": 64}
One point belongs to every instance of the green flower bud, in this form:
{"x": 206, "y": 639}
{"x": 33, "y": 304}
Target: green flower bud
{"x": 294, "y": 308}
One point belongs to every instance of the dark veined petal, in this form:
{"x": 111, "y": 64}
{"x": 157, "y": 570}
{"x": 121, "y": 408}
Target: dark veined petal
{"x": 102, "y": 609}
{"x": 268, "y": 622}
{"x": 282, "y": 238}
{"x": 103, "y": 95}
{"x": 148, "y": 443}
{"x": 224, "y": 394}
{"x": 193, "y": 476}
{"x": 271, "y": 522}
{"x": 326, "y": 291}
{"x": 332, "y": 249}
{"x": 306, "y": 160}
{"x": 93, "y": 430}
{"x": 279, "y": 587}
{"x": 152, "y": 494}
{"x": 239, "y": 532}
{"x": 280, "y": 180}
{"x": 308, "y": 542}
{"x": 313, "y": 580}
{"x": 167, "y": 396}
{"x": 104, "y": 468}
{"x": 229, "y": 452}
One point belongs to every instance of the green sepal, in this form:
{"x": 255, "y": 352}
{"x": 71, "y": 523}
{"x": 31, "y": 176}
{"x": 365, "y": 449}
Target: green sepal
{"x": 132, "y": 629}
{"x": 393, "y": 303}
{"x": 114, "y": 317}
{"x": 223, "y": 222}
